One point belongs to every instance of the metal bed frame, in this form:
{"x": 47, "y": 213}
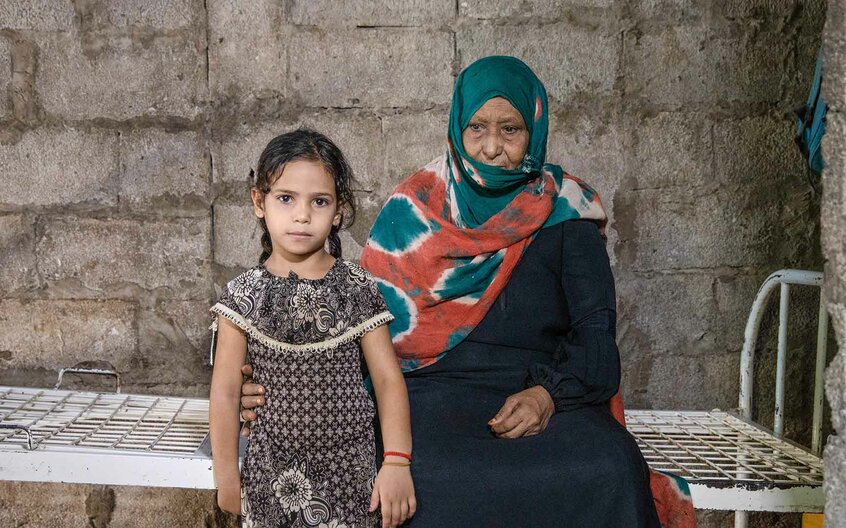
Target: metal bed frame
{"x": 730, "y": 462}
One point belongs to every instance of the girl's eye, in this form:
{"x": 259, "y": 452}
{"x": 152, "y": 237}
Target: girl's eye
{"x": 286, "y": 198}
{"x": 321, "y": 202}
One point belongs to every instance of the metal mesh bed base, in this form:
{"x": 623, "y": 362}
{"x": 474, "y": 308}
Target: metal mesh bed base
{"x": 121, "y": 439}
{"x": 729, "y": 463}
{"x": 103, "y": 438}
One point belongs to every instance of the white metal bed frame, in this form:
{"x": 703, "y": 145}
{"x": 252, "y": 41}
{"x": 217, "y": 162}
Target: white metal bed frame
{"x": 730, "y": 462}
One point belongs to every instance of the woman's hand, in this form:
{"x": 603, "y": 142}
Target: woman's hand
{"x": 252, "y": 396}
{"x": 395, "y": 490}
{"x": 229, "y": 499}
{"x": 524, "y": 414}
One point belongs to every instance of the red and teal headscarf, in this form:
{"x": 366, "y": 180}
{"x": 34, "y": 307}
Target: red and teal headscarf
{"x": 447, "y": 240}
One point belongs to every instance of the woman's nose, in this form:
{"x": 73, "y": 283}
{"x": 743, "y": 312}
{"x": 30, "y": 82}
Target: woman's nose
{"x": 492, "y": 146}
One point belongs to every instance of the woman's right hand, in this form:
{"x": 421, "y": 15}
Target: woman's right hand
{"x": 252, "y": 396}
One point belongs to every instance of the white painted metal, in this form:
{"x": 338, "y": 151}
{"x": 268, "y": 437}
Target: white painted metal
{"x": 106, "y": 466}
{"x": 103, "y": 438}
{"x": 750, "y": 334}
{"x": 819, "y": 396}
{"x": 783, "y": 314}
{"x": 114, "y": 421}
{"x": 729, "y": 461}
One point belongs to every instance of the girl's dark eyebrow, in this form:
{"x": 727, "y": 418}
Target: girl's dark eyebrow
{"x": 294, "y": 193}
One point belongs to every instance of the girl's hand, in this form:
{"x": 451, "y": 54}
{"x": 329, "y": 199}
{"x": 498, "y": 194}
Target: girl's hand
{"x": 229, "y": 499}
{"x": 395, "y": 490}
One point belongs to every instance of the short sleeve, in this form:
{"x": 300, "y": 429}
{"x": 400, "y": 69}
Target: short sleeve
{"x": 240, "y": 298}
{"x": 370, "y": 309}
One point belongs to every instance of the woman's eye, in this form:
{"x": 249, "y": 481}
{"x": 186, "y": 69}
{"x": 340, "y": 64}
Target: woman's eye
{"x": 476, "y": 127}
{"x": 510, "y": 130}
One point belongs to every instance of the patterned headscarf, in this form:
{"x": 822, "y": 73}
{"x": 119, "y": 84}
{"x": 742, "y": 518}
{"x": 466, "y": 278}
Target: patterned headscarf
{"x": 447, "y": 240}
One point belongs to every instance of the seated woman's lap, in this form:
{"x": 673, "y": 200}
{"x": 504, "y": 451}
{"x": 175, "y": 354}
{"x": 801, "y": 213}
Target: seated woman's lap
{"x": 465, "y": 476}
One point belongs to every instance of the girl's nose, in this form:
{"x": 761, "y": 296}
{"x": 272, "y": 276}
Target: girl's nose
{"x": 302, "y": 213}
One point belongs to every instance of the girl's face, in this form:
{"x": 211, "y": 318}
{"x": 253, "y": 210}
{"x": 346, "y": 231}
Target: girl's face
{"x": 300, "y": 209}
{"x": 496, "y": 135}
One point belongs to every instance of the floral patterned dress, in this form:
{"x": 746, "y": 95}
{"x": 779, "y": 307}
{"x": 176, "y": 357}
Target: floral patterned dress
{"x": 311, "y": 457}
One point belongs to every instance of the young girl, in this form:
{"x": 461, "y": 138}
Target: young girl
{"x": 304, "y": 316}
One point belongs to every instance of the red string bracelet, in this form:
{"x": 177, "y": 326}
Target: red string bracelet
{"x": 397, "y": 453}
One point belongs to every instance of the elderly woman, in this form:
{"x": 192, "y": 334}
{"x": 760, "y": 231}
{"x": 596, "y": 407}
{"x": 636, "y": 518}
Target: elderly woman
{"x": 494, "y": 265}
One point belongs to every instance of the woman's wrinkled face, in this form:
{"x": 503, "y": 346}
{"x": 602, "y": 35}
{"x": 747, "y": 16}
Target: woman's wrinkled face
{"x": 496, "y": 135}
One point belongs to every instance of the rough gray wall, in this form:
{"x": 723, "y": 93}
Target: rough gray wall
{"x": 834, "y": 248}
{"x": 127, "y": 130}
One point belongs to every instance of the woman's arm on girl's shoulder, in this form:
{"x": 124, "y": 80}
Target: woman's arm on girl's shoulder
{"x": 223, "y": 413}
{"x": 393, "y": 486}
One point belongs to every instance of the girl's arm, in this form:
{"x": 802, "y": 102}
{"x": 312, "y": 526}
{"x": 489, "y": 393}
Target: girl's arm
{"x": 223, "y": 413}
{"x": 393, "y": 486}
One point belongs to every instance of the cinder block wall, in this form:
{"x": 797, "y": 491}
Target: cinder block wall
{"x": 834, "y": 246}
{"x": 127, "y": 130}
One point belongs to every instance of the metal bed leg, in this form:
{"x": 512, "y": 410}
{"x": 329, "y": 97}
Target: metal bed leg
{"x": 740, "y": 519}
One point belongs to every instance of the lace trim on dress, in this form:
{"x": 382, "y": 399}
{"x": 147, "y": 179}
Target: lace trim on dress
{"x": 306, "y": 348}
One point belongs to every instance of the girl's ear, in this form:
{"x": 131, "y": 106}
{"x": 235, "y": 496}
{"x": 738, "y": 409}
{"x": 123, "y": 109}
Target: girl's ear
{"x": 338, "y": 217}
{"x": 258, "y": 201}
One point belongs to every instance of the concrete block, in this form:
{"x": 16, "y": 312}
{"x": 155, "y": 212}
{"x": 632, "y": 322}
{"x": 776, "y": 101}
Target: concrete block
{"x": 237, "y": 236}
{"x": 137, "y": 506}
{"x": 751, "y": 67}
{"x": 38, "y": 15}
{"x": 488, "y": 9}
{"x": 43, "y": 504}
{"x": 173, "y": 341}
{"x": 834, "y": 467}
{"x": 673, "y": 149}
{"x": 358, "y": 135}
{"x": 173, "y": 14}
{"x": 166, "y": 77}
{"x": 689, "y": 314}
{"x": 371, "y": 67}
{"x": 708, "y": 382}
{"x": 238, "y": 152}
{"x": 835, "y": 376}
{"x": 90, "y": 257}
{"x": 51, "y": 166}
{"x": 686, "y": 65}
{"x": 591, "y": 147}
{"x": 684, "y": 11}
{"x": 411, "y": 141}
{"x": 53, "y": 334}
{"x": 370, "y": 13}
{"x": 571, "y": 62}
{"x": 5, "y": 78}
{"x": 247, "y": 48}
{"x": 758, "y": 151}
{"x": 158, "y": 164}
{"x": 746, "y": 9}
{"x": 670, "y": 68}
{"x": 664, "y": 230}
{"x": 17, "y": 259}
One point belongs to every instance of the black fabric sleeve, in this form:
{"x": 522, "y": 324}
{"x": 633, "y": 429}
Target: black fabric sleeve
{"x": 586, "y": 366}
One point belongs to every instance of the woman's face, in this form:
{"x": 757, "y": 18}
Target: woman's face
{"x": 496, "y": 135}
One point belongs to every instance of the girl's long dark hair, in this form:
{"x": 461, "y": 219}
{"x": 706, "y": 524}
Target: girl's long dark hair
{"x": 306, "y": 145}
